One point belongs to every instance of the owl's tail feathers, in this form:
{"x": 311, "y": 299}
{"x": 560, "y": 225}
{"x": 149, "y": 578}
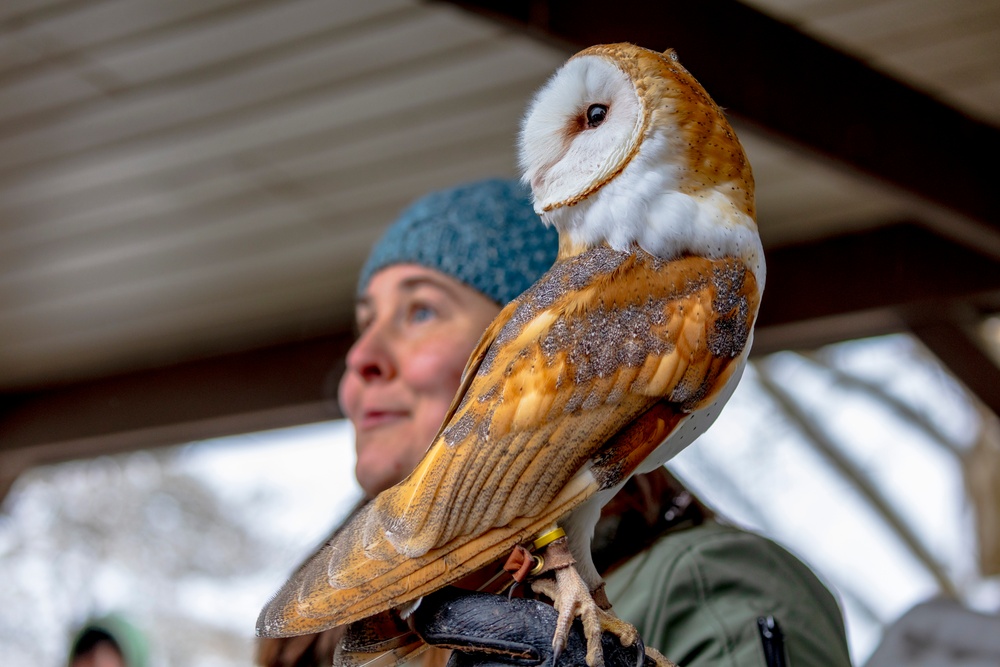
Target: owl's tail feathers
{"x": 383, "y": 640}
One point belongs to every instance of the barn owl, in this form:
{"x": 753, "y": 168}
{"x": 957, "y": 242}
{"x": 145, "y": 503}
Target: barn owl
{"x": 614, "y": 361}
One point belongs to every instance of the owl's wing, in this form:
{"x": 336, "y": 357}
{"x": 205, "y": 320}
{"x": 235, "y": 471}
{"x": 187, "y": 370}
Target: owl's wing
{"x": 577, "y": 381}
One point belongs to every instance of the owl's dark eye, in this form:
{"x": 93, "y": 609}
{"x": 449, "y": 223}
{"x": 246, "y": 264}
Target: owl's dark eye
{"x": 596, "y": 113}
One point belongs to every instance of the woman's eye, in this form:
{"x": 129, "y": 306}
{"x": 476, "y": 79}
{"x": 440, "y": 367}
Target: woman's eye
{"x": 361, "y": 323}
{"x": 421, "y": 313}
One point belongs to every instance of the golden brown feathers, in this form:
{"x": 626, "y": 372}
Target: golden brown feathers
{"x": 555, "y": 406}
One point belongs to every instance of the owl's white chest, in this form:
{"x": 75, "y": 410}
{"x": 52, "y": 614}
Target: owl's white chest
{"x": 643, "y": 206}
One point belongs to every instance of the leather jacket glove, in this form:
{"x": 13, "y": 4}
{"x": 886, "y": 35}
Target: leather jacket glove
{"x": 486, "y": 630}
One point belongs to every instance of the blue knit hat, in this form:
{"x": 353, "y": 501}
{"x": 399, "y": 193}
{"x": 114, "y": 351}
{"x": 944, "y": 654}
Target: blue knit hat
{"x": 484, "y": 234}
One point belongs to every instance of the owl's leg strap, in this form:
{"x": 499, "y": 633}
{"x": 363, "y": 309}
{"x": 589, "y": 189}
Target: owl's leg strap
{"x": 522, "y": 563}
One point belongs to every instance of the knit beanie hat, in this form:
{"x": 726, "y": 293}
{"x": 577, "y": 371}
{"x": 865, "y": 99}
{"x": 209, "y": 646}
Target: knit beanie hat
{"x": 484, "y": 234}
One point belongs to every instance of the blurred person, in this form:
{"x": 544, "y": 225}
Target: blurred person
{"x": 108, "y": 641}
{"x": 696, "y": 589}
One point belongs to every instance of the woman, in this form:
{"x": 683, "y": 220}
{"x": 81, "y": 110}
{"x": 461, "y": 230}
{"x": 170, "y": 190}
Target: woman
{"x": 700, "y": 592}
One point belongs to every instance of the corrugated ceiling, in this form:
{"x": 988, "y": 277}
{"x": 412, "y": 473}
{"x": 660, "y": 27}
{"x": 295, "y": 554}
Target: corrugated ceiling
{"x": 182, "y": 179}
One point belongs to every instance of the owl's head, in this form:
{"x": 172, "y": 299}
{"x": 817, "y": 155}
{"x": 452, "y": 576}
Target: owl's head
{"x": 611, "y": 106}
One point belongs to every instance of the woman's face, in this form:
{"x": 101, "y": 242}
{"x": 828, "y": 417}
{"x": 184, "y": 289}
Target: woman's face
{"x": 417, "y": 328}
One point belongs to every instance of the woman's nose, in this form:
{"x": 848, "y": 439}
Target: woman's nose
{"x": 370, "y": 356}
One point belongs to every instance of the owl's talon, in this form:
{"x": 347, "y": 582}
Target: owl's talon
{"x": 572, "y": 599}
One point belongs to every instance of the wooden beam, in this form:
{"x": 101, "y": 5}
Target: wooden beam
{"x": 893, "y": 266}
{"x": 259, "y": 389}
{"x": 769, "y": 74}
{"x": 866, "y": 283}
{"x": 953, "y": 341}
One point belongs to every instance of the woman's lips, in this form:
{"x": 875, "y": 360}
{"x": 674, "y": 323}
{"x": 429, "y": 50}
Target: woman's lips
{"x": 376, "y": 418}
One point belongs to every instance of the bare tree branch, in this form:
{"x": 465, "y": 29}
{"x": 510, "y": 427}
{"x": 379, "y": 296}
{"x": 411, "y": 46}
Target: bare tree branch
{"x": 903, "y": 411}
{"x": 854, "y": 475}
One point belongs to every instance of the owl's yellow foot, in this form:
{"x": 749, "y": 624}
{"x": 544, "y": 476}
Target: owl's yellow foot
{"x": 572, "y": 599}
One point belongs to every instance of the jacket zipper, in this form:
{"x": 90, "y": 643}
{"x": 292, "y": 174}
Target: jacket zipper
{"x": 773, "y": 642}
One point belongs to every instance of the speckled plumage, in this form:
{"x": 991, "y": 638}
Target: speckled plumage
{"x": 613, "y": 361}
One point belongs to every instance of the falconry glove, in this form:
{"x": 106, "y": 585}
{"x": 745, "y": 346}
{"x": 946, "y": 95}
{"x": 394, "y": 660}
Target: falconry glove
{"x": 486, "y": 630}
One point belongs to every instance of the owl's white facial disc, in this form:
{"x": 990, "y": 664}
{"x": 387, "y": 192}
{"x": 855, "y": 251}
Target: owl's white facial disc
{"x": 564, "y": 156}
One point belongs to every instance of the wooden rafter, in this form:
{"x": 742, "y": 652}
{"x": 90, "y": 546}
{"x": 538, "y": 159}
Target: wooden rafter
{"x": 260, "y": 389}
{"x": 860, "y": 284}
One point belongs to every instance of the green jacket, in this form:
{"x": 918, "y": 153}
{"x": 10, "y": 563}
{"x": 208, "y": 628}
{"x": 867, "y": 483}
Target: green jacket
{"x": 696, "y": 594}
